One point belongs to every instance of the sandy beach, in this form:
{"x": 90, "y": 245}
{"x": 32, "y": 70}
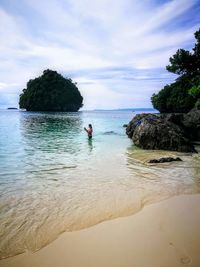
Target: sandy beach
{"x": 161, "y": 235}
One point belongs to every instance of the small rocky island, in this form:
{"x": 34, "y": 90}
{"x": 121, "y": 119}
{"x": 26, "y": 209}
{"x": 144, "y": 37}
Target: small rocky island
{"x": 51, "y": 92}
{"x": 177, "y": 125}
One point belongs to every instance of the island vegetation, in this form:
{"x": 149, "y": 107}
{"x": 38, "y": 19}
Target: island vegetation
{"x": 184, "y": 93}
{"x": 51, "y": 92}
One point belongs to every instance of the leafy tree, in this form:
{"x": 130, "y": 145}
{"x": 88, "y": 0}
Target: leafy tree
{"x": 178, "y": 97}
{"x": 174, "y": 98}
{"x": 51, "y": 92}
{"x": 195, "y": 92}
{"x": 182, "y": 63}
{"x": 159, "y": 100}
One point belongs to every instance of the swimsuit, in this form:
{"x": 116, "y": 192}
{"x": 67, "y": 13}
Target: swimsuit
{"x": 89, "y": 133}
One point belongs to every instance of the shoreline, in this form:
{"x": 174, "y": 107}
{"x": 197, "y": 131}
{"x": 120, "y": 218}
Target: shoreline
{"x": 165, "y": 233}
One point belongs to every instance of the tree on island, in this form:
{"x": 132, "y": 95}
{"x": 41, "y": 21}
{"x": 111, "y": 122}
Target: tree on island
{"x": 51, "y": 92}
{"x": 184, "y": 93}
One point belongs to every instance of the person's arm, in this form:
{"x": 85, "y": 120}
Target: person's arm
{"x": 85, "y": 129}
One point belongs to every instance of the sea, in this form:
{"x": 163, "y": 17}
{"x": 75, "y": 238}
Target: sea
{"x": 53, "y": 179}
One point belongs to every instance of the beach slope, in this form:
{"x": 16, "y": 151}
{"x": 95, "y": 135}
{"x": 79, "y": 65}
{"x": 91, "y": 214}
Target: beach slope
{"x": 161, "y": 235}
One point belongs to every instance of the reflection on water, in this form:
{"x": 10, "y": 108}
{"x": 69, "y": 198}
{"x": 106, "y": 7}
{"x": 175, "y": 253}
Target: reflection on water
{"x": 53, "y": 179}
{"x": 39, "y": 130}
{"x": 90, "y": 145}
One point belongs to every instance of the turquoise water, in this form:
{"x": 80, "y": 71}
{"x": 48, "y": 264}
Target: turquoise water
{"x": 53, "y": 179}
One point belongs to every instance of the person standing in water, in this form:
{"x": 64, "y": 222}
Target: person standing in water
{"x": 89, "y": 131}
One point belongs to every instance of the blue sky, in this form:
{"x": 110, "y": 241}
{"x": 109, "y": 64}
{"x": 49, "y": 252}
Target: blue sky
{"x": 116, "y": 50}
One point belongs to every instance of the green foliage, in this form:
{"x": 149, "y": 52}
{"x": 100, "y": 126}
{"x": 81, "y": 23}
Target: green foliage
{"x": 173, "y": 98}
{"x": 51, "y": 92}
{"x": 195, "y": 91}
{"x": 177, "y": 97}
{"x": 159, "y": 100}
{"x": 197, "y": 104}
{"x": 181, "y": 63}
{"x": 196, "y": 50}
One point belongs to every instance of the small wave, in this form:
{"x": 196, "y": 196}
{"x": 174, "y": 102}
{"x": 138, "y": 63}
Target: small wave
{"x": 111, "y": 133}
{"x": 54, "y": 169}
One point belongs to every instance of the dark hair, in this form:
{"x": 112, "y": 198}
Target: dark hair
{"x": 90, "y": 125}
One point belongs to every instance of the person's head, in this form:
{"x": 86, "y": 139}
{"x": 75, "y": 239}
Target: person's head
{"x": 90, "y": 126}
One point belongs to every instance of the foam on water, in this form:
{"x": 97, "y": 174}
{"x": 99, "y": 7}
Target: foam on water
{"x": 53, "y": 179}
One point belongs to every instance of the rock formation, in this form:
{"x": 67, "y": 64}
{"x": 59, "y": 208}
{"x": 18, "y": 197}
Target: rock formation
{"x": 165, "y": 131}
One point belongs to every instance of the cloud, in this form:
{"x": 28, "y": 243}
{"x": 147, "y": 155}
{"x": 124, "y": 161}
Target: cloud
{"x": 115, "y": 50}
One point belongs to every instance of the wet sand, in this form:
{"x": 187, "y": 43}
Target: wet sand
{"x": 161, "y": 235}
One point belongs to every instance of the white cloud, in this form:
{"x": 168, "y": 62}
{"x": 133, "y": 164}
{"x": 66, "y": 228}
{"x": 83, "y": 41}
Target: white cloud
{"x": 84, "y": 34}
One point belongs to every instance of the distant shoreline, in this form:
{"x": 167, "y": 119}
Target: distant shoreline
{"x": 126, "y": 109}
{"x": 92, "y": 110}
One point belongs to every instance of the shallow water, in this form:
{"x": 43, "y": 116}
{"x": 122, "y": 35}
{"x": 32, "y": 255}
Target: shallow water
{"x": 53, "y": 179}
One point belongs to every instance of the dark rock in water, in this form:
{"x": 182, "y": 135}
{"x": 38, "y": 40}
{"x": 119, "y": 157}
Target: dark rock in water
{"x": 125, "y": 125}
{"x": 155, "y": 131}
{"x": 162, "y": 160}
{"x": 12, "y": 108}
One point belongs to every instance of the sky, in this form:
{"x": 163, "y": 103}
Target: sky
{"x": 116, "y": 50}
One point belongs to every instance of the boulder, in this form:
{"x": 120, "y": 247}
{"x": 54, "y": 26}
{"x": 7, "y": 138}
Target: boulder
{"x": 155, "y": 131}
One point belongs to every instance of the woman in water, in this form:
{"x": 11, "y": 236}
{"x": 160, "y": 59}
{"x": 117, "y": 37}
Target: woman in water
{"x": 89, "y": 131}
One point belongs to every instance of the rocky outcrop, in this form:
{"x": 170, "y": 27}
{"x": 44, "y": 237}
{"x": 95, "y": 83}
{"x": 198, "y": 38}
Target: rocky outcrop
{"x": 160, "y": 131}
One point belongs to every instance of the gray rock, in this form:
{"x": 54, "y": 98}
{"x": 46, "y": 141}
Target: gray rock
{"x": 176, "y": 118}
{"x": 155, "y": 131}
